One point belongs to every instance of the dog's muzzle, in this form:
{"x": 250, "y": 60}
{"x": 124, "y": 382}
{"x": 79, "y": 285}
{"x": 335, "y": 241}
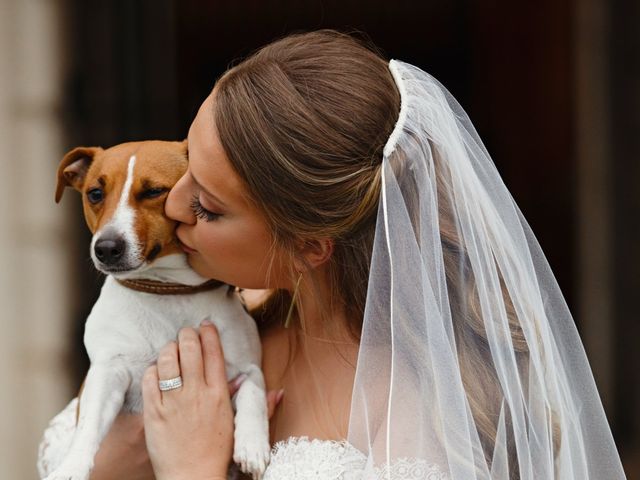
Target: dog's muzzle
{"x": 110, "y": 250}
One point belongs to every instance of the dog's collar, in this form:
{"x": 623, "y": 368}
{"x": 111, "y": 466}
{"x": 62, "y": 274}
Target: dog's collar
{"x": 162, "y": 288}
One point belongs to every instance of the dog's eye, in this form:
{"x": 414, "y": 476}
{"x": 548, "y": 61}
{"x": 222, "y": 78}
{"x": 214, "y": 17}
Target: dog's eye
{"x": 152, "y": 192}
{"x": 95, "y": 195}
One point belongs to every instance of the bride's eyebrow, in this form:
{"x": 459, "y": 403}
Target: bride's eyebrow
{"x": 205, "y": 191}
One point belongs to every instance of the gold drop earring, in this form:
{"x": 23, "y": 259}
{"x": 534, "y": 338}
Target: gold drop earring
{"x": 294, "y": 297}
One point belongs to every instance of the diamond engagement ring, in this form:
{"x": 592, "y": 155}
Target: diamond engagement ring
{"x": 170, "y": 384}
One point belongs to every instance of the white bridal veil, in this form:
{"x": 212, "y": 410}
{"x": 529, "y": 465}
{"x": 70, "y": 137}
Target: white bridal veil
{"x": 469, "y": 356}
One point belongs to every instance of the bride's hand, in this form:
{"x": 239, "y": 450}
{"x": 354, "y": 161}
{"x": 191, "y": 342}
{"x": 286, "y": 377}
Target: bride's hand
{"x": 123, "y": 452}
{"x": 189, "y": 430}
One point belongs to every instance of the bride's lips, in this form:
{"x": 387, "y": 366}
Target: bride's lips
{"x": 185, "y": 247}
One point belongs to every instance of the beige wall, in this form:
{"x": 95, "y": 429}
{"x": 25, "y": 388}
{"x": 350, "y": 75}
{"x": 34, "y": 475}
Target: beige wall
{"x": 34, "y": 296}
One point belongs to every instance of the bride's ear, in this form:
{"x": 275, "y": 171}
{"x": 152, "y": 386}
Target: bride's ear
{"x": 313, "y": 253}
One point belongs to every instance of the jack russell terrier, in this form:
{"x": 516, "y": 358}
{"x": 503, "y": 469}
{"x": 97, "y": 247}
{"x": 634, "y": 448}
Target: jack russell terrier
{"x": 148, "y": 295}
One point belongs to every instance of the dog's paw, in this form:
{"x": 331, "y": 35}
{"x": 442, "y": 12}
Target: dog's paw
{"x": 251, "y": 452}
{"x": 64, "y": 472}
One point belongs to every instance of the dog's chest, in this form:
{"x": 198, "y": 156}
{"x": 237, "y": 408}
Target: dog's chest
{"x": 135, "y": 322}
{"x": 131, "y": 327}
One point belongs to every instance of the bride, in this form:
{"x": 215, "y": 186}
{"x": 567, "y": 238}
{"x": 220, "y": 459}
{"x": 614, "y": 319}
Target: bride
{"x": 413, "y": 328}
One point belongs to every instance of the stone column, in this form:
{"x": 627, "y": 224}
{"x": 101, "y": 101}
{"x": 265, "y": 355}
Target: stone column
{"x": 34, "y": 263}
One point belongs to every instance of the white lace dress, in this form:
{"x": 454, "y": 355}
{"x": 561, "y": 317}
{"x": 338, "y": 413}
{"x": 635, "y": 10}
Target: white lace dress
{"x": 295, "y": 458}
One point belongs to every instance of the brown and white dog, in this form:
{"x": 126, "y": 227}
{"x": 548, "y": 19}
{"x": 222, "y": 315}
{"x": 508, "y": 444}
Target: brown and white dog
{"x": 149, "y": 294}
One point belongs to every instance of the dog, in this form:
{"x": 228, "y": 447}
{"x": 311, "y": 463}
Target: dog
{"x": 148, "y": 295}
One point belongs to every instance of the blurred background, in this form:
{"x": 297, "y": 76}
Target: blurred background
{"x": 553, "y": 88}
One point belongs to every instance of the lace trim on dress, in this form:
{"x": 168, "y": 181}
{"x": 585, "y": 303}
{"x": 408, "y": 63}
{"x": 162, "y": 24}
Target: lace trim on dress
{"x": 296, "y": 458}
{"x": 411, "y": 468}
{"x": 302, "y": 458}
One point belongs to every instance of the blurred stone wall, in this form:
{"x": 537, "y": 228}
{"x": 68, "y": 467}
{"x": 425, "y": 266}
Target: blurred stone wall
{"x": 34, "y": 273}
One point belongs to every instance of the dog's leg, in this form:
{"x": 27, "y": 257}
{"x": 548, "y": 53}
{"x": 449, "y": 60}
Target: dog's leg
{"x": 101, "y": 401}
{"x": 251, "y": 447}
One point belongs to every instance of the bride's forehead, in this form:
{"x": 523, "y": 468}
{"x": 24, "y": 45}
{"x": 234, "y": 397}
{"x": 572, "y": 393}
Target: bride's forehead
{"x": 210, "y": 166}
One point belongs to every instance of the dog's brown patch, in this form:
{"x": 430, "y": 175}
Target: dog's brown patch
{"x": 159, "y": 165}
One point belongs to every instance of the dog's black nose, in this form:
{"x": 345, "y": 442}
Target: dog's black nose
{"x": 109, "y": 250}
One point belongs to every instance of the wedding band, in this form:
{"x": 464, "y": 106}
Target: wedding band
{"x": 170, "y": 384}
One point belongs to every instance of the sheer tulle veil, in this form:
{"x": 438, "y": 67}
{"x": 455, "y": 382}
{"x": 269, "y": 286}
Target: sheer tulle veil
{"x": 469, "y": 356}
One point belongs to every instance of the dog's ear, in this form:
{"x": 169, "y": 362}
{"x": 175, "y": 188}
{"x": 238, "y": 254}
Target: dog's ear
{"x": 73, "y": 169}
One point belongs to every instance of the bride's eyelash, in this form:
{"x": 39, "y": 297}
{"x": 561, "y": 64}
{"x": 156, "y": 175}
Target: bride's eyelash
{"x": 200, "y": 212}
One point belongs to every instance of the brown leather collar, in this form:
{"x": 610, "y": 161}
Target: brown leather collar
{"x": 162, "y": 288}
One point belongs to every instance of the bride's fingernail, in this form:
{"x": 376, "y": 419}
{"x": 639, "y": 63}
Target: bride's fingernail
{"x": 206, "y": 322}
{"x": 279, "y": 395}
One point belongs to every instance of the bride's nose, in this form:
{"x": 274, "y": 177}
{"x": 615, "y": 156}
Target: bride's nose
{"x": 177, "y": 205}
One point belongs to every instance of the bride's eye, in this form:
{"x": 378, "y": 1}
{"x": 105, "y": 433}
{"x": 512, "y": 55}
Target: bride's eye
{"x": 200, "y": 212}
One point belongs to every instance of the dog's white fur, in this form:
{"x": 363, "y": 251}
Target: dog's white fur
{"x": 127, "y": 328}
